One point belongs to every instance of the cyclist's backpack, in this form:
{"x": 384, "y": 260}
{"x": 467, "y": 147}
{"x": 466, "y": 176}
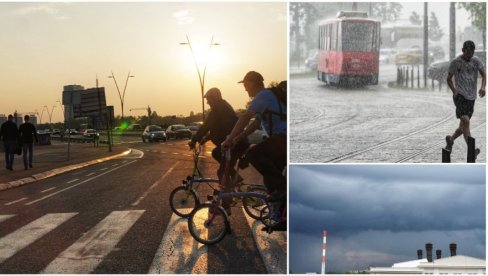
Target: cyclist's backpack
{"x": 280, "y": 93}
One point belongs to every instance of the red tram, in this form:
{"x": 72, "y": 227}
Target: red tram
{"x": 349, "y": 48}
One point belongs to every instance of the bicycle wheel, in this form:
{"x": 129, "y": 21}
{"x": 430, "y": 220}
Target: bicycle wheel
{"x": 208, "y": 223}
{"x": 254, "y": 205}
{"x": 183, "y": 200}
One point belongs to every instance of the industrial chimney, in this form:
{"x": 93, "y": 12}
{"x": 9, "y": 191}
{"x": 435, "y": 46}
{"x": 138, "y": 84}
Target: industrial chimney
{"x": 438, "y": 253}
{"x": 419, "y": 254}
{"x": 324, "y": 247}
{"x": 428, "y": 249}
{"x": 453, "y": 248}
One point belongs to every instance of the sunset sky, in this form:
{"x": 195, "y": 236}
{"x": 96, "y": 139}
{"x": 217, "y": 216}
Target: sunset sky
{"x": 45, "y": 46}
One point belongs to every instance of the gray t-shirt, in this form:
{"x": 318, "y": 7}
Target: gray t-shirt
{"x": 466, "y": 75}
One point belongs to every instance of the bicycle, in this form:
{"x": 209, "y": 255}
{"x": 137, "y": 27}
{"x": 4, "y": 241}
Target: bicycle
{"x": 209, "y": 222}
{"x": 184, "y": 199}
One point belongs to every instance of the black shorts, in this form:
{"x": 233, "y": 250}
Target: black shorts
{"x": 463, "y": 106}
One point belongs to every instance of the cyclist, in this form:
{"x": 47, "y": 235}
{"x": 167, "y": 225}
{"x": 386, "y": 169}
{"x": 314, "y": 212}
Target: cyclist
{"x": 218, "y": 124}
{"x": 269, "y": 156}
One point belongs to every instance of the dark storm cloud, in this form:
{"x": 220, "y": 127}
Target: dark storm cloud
{"x": 347, "y": 199}
{"x": 379, "y": 215}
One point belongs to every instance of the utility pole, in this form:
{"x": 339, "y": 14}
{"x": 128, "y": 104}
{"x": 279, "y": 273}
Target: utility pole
{"x": 452, "y": 31}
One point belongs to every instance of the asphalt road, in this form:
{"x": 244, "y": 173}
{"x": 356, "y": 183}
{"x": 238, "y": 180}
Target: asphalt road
{"x": 376, "y": 124}
{"x": 114, "y": 217}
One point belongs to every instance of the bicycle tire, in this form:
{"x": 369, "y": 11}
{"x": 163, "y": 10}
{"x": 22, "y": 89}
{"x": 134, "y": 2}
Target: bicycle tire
{"x": 208, "y": 231}
{"x": 266, "y": 219}
{"x": 183, "y": 201}
{"x": 253, "y": 205}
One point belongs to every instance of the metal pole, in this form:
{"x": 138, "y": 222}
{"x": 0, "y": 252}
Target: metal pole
{"x": 426, "y": 42}
{"x": 452, "y": 30}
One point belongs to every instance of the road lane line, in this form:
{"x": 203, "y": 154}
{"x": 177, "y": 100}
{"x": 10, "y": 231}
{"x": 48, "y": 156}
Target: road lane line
{"x": 90, "y": 174}
{"x": 77, "y": 173}
{"x": 71, "y": 181}
{"x": 154, "y": 185}
{"x": 103, "y": 169}
{"x": 5, "y": 217}
{"x": 175, "y": 153}
{"x": 271, "y": 246}
{"x": 21, "y": 238}
{"x": 15, "y": 201}
{"x": 47, "y": 190}
{"x": 115, "y": 164}
{"x": 82, "y": 182}
{"x": 178, "y": 252}
{"x": 83, "y": 256}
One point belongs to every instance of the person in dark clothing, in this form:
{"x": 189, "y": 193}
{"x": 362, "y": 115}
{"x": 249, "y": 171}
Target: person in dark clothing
{"x": 9, "y": 134}
{"x": 219, "y": 123}
{"x": 27, "y": 132}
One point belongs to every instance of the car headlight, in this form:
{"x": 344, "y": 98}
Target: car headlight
{"x": 152, "y": 134}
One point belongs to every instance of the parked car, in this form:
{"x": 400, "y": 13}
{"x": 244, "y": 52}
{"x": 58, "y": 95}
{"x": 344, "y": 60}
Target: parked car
{"x": 56, "y": 131}
{"x": 153, "y": 133}
{"x": 134, "y": 127}
{"x": 178, "y": 132}
{"x": 71, "y": 131}
{"x": 438, "y": 70}
{"x": 90, "y": 133}
{"x": 411, "y": 56}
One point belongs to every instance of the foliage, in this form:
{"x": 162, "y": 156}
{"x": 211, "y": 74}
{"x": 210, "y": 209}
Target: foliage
{"x": 415, "y": 19}
{"x": 435, "y": 31}
{"x": 477, "y": 12}
{"x": 301, "y": 15}
{"x": 387, "y": 11}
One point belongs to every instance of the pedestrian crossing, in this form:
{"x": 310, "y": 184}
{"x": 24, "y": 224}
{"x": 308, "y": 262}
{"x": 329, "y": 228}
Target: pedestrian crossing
{"x": 178, "y": 252}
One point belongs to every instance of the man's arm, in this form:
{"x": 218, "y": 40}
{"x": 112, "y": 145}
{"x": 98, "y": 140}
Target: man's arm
{"x": 238, "y": 128}
{"x": 35, "y": 133}
{"x": 249, "y": 129}
{"x": 482, "y": 91}
{"x": 451, "y": 84}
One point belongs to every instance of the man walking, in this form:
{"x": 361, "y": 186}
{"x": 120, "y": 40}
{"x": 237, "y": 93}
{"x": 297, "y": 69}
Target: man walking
{"x": 27, "y": 132}
{"x": 465, "y": 70}
{"x": 9, "y": 134}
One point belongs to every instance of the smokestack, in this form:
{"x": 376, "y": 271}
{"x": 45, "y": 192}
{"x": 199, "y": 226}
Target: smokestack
{"x": 324, "y": 247}
{"x": 438, "y": 253}
{"x": 428, "y": 249}
{"x": 453, "y": 248}
{"x": 419, "y": 254}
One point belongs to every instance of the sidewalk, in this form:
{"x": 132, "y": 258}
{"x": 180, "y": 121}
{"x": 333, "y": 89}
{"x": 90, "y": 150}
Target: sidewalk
{"x": 51, "y": 160}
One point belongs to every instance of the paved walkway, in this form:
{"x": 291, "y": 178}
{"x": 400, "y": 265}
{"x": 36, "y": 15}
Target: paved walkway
{"x": 51, "y": 160}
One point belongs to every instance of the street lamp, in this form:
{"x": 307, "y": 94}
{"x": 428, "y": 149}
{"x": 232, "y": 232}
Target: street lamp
{"x": 50, "y": 114}
{"x": 200, "y": 76}
{"x": 121, "y": 95}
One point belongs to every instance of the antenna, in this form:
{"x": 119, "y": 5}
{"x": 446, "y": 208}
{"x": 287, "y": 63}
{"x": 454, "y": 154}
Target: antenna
{"x": 324, "y": 247}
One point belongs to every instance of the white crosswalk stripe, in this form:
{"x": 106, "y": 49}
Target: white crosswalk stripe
{"x": 15, "y": 241}
{"x": 88, "y": 252}
{"x": 178, "y": 251}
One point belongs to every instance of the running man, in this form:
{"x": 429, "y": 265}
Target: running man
{"x": 465, "y": 70}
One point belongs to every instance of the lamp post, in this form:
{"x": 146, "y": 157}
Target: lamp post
{"x": 121, "y": 95}
{"x": 50, "y": 114}
{"x": 200, "y": 76}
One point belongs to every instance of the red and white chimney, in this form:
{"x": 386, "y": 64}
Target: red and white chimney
{"x": 324, "y": 247}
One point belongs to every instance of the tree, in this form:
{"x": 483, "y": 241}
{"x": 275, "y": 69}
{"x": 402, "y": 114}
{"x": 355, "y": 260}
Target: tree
{"x": 387, "y": 11}
{"x": 415, "y": 19}
{"x": 477, "y": 12}
{"x": 435, "y": 31}
{"x": 301, "y": 15}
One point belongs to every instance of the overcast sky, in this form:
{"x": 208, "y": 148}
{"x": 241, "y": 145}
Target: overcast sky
{"x": 376, "y": 215}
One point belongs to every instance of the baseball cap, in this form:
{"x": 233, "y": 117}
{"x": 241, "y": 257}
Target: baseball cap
{"x": 252, "y": 76}
{"x": 213, "y": 92}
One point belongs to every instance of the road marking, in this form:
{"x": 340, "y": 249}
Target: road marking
{"x": 272, "y": 247}
{"x": 5, "y": 217}
{"x": 175, "y": 153}
{"x": 77, "y": 173}
{"x": 83, "y": 256}
{"x": 15, "y": 201}
{"x": 16, "y": 241}
{"x": 115, "y": 164}
{"x": 154, "y": 185}
{"x": 47, "y": 190}
{"x": 71, "y": 181}
{"x": 70, "y": 187}
{"x": 103, "y": 169}
{"x": 179, "y": 252}
{"x": 90, "y": 174}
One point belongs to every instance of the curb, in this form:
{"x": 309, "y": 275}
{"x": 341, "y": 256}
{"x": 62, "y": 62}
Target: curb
{"x": 57, "y": 171}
